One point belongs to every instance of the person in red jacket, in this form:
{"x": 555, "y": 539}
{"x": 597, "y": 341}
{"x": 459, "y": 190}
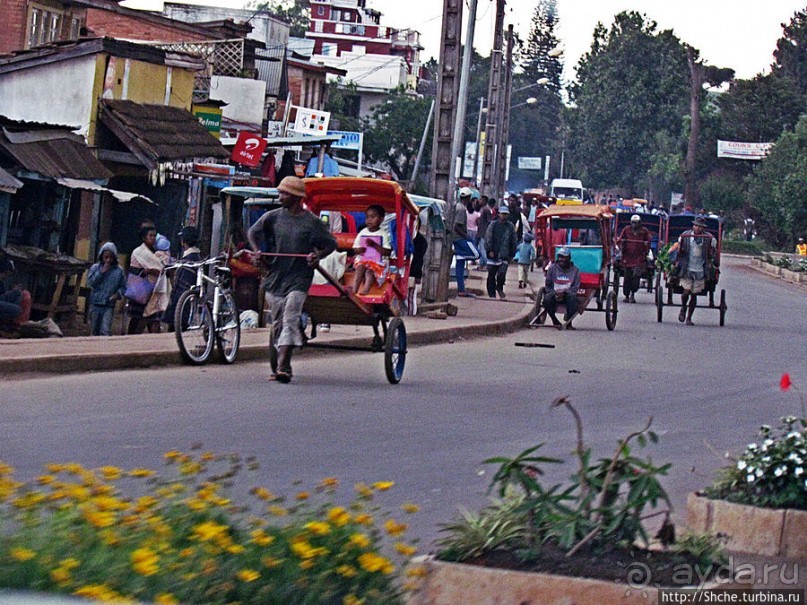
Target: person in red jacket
{"x": 634, "y": 243}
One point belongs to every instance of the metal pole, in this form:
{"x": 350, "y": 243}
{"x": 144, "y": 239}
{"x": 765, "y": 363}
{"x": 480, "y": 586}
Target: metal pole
{"x": 488, "y": 174}
{"x": 478, "y": 137}
{"x": 422, "y": 145}
{"x": 504, "y": 130}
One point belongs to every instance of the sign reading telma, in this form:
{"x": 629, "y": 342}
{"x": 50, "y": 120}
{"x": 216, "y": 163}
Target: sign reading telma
{"x": 210, "y": 118}
{"x": 742, "y": 151}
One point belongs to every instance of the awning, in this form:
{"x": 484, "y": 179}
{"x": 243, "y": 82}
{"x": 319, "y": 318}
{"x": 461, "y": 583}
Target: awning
{"x": 8, "y": 184}
{"x": 121, "y": 196}
{"x": 52, "y": 152}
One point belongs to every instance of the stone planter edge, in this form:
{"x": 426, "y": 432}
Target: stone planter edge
{"x": 794, "y": 276}
{"x": 750, "y": 529}
{"x": 460, "y": 583}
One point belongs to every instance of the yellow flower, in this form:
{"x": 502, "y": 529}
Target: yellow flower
{"x": 45, "y": 479}
{"x": 352, "y": 600}
{"x": 364, "y": 519}
{"x": 417, "y": 572}
{"x": 329, "y": 482}
{"x": 347, "y": 571}
{"x": 208, "y": 456}
{"x": 190, "y": 468}
{"x": 271, "y": 562}
{"x": 303, "y": 496}
{"x": 383, "y": 486}
{"x": 144, "y": 503}
{"x": 261, "y": 538}
{"x": 277, "y": 511}
{"x": 307, "y": 564}
{"x": 22, "y": 554}
{"x": 98, "y": 592}
{"x": 410, "y": 508}
{"x": 360, "y": 540}
{"x": 100, "y": 519}
{"x": 301, "y": 548}
{"x": 109, "y": 537}
{"x": 172, "y": 455}
{"x": 338, "y": 516}
{"x": 52, "y": 468}
{"x": 186, "y": 552}
{"x": 166, "y": 598}
{"x": 141, "y": 472}
{"x": 69, "y": 563}
{"x": 209, "y": 530}
{"x": 111, "y": 473}
{"x": 235, "y": 549}
{"x": 60, "y": 575}
{"x": 248, "y": 575}
{"x": 405, "y": 549}
{"x": 74, "y": 468}
{"x": 108, "y": 503}
{"x": 263, "y": 493}
{"x": 393, "y": 528}
{"x": 144, "y": 561}
{"x": 375, "y": 563}
{"x": 318, "y": 528}
{"x": 29, "y": 500}
{"x": 364, "y": 491}
{"x": 196, "y": 505}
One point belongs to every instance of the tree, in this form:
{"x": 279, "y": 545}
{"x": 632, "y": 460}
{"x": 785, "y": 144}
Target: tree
{"x": 791, "y": 54}
{"x": 294, "y": 12}
{"x": 759, "y": 110}
{"x": 632, "y": 84}
{"x": 778, "y": 188}
{"x": 534, "y": 128}
{"x": 394, "y": 130}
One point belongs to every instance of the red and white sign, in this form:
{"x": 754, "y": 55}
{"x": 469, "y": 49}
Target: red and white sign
{"x": 248, "y": 149}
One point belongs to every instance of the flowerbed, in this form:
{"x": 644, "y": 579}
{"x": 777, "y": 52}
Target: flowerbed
{"x": 183, "y": 540}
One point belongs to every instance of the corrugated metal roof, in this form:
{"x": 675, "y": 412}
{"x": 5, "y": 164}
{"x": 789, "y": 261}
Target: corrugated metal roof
{"x": 159, "y": 133}
{"x": 271, "y": 70}
{"x": 53, "y": 153}
{"x": 8, "y": 183}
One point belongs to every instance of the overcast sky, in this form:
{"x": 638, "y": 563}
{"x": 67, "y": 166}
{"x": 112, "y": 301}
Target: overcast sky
{"x": 740, "y": 34}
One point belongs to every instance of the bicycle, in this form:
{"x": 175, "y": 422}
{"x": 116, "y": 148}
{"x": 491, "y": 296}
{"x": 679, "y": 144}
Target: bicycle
{"x": 203, "y": 317}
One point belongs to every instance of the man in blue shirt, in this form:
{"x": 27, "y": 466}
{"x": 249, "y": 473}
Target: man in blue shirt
{"x": 329, "y": 167}
{"x": 561, "y": 285}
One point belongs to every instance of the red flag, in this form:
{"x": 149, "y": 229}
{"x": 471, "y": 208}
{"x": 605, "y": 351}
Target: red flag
{"x": 785, "y": 383}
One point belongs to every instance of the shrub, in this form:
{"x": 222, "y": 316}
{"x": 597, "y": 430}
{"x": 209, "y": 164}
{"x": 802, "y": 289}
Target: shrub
{"x": 184, "y": 541}
{"x": 737, "y": 246}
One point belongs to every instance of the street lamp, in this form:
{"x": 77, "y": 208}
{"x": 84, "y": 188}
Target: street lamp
{"x": 530, "y": 101}
{"x": 539, "y": 82}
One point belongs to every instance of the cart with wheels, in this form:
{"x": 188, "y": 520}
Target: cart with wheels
{"x": 666, "y": 283}
{"x": 334, "y": 302}
{"x": 655, "y": 223}
{"x": 586, "y": 231}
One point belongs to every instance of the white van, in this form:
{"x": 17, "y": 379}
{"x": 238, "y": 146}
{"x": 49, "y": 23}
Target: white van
{"x": 567, "y": 191}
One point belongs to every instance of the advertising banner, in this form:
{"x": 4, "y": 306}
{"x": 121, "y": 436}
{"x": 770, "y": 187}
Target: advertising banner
{"x": 529, "y": 163}
{"x": 742, "y": 151}
{"x": 311, "y": 121}
{"x": 248, "y": 149}
{"x": 349, "y": 140}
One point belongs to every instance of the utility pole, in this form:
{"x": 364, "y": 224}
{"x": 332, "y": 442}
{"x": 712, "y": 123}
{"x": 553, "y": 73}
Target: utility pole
{"x": 504, "y": 130}
{"x": 478, "y": 140}
{"x": 494, "y": 97}
{"x": 435, "y": 286}
{"x": 691, "y": 193}
{"x": 414, "y": 177}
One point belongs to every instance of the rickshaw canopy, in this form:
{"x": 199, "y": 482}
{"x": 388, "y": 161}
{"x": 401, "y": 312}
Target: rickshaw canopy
{"x": 351, "y": 194}
{"x": 581, "y": 211}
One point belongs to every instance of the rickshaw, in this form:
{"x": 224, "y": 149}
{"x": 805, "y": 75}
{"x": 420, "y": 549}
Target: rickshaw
{"x": 586, "y": 231}
{"x": 675, "y": 226}
{"x": 334, "y": 302}
{"x": 655, "y": 223}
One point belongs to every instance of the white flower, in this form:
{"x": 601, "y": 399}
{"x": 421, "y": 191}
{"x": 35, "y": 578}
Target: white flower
{"x": 752, "y": 447}
{"x": 765, "y": 459}
{"x": 741, "y": 464}
{"x": 759, "y": 472}
{"x": 794, "y": 457}
{"x": 750, "y": 478}
{"x": 779, "y": 471}
{"x": 798, "y": 471}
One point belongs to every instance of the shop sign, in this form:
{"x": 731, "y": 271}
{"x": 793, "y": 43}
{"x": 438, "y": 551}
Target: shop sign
{"x": 248, "y": 149}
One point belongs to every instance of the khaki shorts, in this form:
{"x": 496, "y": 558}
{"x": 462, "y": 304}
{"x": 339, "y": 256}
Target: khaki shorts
{"x": 695, "y": 286}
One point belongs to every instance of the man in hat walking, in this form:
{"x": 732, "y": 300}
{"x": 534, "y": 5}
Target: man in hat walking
{"x": 634, "y": 243}
{"x": 696, "y": 250}
{"x": 289, "y": 230}
{"x": 501, "y": 244}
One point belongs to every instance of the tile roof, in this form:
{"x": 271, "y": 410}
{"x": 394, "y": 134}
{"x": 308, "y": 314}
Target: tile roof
{"x": 159, "y": 133}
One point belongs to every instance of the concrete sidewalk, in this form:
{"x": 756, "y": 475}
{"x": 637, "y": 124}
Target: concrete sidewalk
{"x": 480, "y": 316}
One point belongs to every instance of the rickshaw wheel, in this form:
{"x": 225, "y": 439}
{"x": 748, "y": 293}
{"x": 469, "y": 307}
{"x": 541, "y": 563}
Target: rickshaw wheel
{"x": 610, "y": 310}
{"x": 395, "y": 350}
{"x": 539, "y": 305}
{"x": 723, "y": 308}
{"x": 658, "y": 290}
{"x": 272, "y": 351}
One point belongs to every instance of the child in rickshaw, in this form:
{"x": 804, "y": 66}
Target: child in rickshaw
{"x": 371, "y": 246}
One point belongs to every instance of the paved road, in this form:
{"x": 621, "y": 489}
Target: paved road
{"x": 458, "y": 404}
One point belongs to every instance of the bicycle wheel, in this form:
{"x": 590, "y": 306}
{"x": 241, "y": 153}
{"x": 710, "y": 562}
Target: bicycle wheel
{"x": 193, "y": 325}
{"x": 395, "y": 350}
{"x": 228, "y": 328}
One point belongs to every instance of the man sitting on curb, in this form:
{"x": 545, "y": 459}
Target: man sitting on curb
{"x": 561, "y": 285}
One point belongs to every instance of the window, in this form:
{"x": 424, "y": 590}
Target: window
{"x": 329, "y": 49}
{"x": 336, "y": 15}
{"x": 359, "y": 50}
{"x": 318, "y": 26}
{"x": 43, "y": 26}
{"x": 321, "y": 11}
{"x": 357, "y": 30}
{"x": 75, "y": 28}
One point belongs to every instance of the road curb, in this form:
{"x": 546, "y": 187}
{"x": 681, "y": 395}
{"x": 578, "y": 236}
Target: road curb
{"x": 93, "y": 361}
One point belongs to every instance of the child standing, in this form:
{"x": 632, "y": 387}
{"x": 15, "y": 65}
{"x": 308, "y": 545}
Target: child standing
{"x": 371, "y": 245}
{"x": 108, "y": 283}
{"x": 525, "y": 255}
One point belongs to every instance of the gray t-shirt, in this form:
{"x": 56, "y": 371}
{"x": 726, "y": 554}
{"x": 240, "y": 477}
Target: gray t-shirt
{"x": 280, "y": 231}
{"x": 696, "y": 261}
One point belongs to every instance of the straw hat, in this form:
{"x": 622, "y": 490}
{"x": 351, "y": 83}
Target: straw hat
{"x": 293, "y": 186}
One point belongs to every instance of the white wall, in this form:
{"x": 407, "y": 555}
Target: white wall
{"x": 383, "y": 72}
{"x": 59, "y": 93}
{"x": 244, "y": 98}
